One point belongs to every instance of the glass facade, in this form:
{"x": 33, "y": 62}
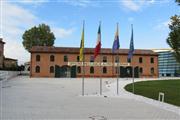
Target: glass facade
{"x": 168, "y": 67}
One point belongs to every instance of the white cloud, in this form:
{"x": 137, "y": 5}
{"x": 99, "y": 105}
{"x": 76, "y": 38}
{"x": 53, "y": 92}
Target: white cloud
{"x": 162, "y": 25}
{"x": 131, "y": 5}
{"x": 15, "y": 20}
{"x": 31, "y": 2}
{"x": 130, "y": 19}
{"x": 62, "y": 33}
{"x": 80, "y": 3}
{"x": 136, "y": 5}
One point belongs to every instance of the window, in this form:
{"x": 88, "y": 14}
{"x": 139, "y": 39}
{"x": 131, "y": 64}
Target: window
{"x": 91, "y": 70}
{"x": 52, "y": 58}
{"x": 128, "y": 60}
{"x": 140, "y": 60}
{"x": 78, "y": 58}
{"x": 104, "y": 70}
{"x": 65, "y": 58}
{"x": 78, "y": 69}
{"x": 152, "y": 60}
{"x": 116, "y": 59}
{"x": 104, "y": 58}
{"x": 152, "y": 70}
{"x": 52, "y": 69}
{"x": 38, "y": 58}
{"x": 141, "y": 70}
{"x": 92, "y": 59}
{"x": 37, "y": 69}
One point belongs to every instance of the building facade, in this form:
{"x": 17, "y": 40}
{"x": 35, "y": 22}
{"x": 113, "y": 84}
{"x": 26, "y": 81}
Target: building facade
{"x": 168, "y": 67}
{"x": 1, "y": 53}
{"x": 64, "y": 62}
{"x": 10, "y": 63}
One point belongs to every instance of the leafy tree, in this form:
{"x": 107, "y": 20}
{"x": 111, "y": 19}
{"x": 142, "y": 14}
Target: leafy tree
{"x": 178, "y": 1}
{"x": 174, "y": 36}
{"x": 38, "y": 36}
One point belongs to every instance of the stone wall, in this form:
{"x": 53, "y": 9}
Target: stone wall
{"x": 5, "y": 75}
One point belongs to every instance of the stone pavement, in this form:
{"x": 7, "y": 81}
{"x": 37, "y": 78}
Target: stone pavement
{"x": 24, "y": 98}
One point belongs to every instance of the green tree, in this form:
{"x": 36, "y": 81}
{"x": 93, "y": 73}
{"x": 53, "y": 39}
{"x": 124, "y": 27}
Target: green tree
{"x": 178, "y": 1}
{"x": 38, "y": 36}
{"x": 174, "y": 36}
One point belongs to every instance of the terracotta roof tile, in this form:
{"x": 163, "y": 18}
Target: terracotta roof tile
{"x": 73, "y": 50}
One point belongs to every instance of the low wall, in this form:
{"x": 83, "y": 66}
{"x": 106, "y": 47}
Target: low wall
{"x": 5, "y": 75}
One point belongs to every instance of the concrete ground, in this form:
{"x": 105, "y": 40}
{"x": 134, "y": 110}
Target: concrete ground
{"x": 24, "y": 98}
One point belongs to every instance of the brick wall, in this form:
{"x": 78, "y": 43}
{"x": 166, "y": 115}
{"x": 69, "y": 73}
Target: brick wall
{"x": 45, "y": 64}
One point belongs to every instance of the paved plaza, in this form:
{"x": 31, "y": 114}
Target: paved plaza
{"x": 24, "y": 98}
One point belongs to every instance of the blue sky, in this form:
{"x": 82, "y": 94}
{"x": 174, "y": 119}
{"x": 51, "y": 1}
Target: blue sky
{"x": 149, "y": 17}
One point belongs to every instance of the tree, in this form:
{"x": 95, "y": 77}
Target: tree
{"x": 178, "y": 1}
{"x": 174, "y": 36}
{"x": 38, "y": 36}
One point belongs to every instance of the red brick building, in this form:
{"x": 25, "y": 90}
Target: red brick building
{"x": 64, "y": 62}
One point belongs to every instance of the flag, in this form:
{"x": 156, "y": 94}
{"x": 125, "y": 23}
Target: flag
{"x": 81, "y": 52}
{"x": 116, "y": 41}
{"x": 98, "y": 44}
{"x": 131, "y": 47}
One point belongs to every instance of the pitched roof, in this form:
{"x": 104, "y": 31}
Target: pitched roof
{"x": 11, "y": 59}
{"x": 1, "y": 41}
{"x": 75, "y": 50}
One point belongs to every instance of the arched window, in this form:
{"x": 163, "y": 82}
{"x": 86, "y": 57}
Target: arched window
{"x": 91, "y": 58}
{"x": 38, "y": 58}
{"x": 140, "y": 60}
{"x": 152, "y": 60}
{"x": 128, "y": 60}
{"x": 104, "y": 70}
{"x": 117, "y": 59}
{"x": 78, "y": 69}
{"x": 141, "y": 70}
{"x": 37, "y": 69}
{"x": 104, "y": 58}
{"x": 78, "y": 58}
{"x": 52, "y": 58}
{"x": 65, "y": 58}
{"x": 152, "y": 70}
{"x": 52, "y": 69}
{"x": 91, "y": 70}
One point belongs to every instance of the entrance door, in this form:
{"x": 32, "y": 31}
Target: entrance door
{"x": 136, "y": 72}
{"x": 122, "y": 72}
{"x": 127, "y": 71}
{"x": 62, "y": 72}
{"x": 57, "y": 71}
{"x": 73, "y": 72}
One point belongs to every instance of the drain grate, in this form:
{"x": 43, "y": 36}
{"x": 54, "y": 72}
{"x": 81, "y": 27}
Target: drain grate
{"x": 98, "y": 117}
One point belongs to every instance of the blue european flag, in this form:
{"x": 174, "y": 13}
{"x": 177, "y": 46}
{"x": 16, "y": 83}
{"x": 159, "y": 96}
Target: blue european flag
{"x": 116, "y": 41}
{"x": 131, "y": 47}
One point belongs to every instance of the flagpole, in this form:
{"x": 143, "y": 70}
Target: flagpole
{"x": 83, "y": 66}
{"x": 132, "y": 75}
{"x": 100, "y": 66}
{"x": 118, "y": 68}
{"x": 132, "y": 66}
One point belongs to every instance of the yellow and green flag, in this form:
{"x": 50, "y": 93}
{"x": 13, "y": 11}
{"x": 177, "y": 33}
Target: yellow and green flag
{"x": 81, "y": 53}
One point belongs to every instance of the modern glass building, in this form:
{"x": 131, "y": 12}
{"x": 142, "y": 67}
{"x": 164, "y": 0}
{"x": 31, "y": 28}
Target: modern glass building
{"x": 168, "y": 67}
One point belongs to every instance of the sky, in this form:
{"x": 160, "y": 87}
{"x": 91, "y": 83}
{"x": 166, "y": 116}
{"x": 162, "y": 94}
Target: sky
{"x": 150, "y": 19}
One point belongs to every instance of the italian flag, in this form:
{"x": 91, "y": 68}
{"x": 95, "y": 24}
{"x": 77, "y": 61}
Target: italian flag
{"x": 98, "y": 44}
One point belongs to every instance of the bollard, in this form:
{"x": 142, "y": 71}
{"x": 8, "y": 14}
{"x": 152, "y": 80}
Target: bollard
{"x": 161, "y": 94}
